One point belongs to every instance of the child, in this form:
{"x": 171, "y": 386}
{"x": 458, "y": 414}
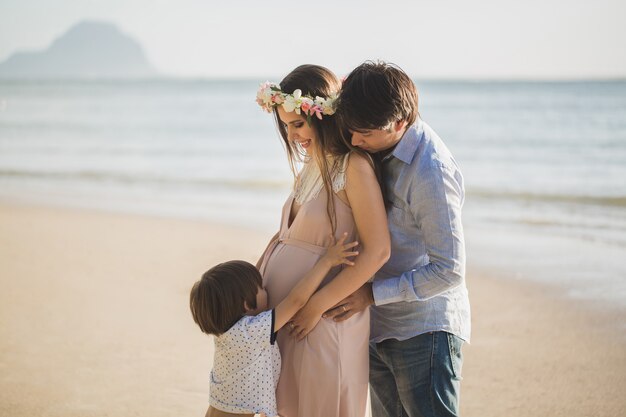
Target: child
{"x": 230, "y": 302}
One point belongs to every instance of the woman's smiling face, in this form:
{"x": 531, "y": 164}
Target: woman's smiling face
{"x": 299, "y": 132}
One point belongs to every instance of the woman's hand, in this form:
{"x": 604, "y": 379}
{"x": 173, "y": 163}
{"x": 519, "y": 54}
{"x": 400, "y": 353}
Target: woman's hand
{"x": 305, "y": 320}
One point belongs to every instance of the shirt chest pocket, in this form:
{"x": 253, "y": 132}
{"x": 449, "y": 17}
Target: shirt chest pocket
{"x": 400, "y": 216}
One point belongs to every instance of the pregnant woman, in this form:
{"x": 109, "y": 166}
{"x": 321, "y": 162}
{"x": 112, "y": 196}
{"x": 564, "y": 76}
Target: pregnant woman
{"x": 324, "y": 363}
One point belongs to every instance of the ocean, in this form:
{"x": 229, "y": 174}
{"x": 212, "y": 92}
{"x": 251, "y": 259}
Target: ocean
{"x": 544, "y": 163}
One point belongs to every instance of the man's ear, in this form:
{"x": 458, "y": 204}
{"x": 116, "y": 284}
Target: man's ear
{"x": 400, "y": 125}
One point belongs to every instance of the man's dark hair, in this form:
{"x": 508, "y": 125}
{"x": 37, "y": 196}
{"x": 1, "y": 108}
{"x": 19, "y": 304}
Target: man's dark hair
{"x": 217, "y": 300}
{"x": 376, "y": 94}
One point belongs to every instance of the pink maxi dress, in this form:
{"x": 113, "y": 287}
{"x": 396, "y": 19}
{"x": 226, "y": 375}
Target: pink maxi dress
{"x": 326, "y": 374}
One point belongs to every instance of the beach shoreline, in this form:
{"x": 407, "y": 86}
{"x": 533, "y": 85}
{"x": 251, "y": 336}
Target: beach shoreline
{"x": 94, "y": 321}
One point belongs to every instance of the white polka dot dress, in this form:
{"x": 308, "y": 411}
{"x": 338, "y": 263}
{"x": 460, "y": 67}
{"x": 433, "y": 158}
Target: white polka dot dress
{"x": 246, "y": 367}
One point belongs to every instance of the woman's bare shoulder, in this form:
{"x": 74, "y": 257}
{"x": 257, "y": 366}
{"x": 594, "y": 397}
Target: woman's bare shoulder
{"x": 359, "y": 163}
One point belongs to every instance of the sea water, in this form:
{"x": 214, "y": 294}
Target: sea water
{"x": 544, "y": 163}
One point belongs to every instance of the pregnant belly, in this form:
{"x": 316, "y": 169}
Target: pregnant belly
{"x": 285, "y": 268}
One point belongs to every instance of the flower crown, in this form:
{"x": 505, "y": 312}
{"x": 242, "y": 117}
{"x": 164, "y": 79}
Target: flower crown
{"x": 270, "y": 96}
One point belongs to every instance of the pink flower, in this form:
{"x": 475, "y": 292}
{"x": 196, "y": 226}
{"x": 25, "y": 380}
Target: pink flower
{"x": 317, "y": 110}
{"x": 305, "y": 106}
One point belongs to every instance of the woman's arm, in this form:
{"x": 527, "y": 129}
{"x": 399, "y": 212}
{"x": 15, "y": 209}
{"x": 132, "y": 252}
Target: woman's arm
{"x": 368, "y": 209}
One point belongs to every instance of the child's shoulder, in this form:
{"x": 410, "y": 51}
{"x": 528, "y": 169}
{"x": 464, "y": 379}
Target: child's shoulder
{"x": 262, "y": 317}
{"x": 251, "y": 326}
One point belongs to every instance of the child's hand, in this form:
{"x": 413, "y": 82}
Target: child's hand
{"x": 339, "y": 253}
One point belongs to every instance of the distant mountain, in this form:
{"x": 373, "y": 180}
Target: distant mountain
{"x": 88, "y": 50}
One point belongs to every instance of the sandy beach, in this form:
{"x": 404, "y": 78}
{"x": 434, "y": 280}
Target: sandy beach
{"x": 94, "y": 321}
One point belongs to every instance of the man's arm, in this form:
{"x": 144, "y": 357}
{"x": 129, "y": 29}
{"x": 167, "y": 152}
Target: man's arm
{"x": 436, "y": 203}
{"x": 437, "y": 198}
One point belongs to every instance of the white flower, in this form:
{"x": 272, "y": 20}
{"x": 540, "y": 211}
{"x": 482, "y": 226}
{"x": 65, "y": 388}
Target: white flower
{"x": 293, "y": 102}
{"x": 327, "y": 104}
{"x": 270, "y": 95}
{"x": 264, "y": 95}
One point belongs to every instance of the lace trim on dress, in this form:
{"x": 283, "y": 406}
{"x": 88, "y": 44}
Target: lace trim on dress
{"x": 310, "y": 182}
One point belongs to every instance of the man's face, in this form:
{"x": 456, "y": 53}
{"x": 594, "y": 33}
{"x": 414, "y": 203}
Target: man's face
{"x": 376, "y": 140}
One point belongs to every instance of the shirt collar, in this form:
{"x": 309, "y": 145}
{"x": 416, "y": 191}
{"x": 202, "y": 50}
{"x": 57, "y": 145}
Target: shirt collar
{"x": 407, "y": 147}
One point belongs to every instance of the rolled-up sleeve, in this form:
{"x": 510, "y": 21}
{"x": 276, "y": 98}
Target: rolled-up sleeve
{"x": 435, "y": 200}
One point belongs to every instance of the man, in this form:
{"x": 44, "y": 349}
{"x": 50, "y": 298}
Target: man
{"x": 420, "y": 314}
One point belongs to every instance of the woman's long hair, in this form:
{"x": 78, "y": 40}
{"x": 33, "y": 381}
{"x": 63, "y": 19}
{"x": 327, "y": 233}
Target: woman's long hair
{"x": 313, "y": 81}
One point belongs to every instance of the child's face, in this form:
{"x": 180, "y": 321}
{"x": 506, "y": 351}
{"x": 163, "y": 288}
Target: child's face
{"x": 261, "y": 302}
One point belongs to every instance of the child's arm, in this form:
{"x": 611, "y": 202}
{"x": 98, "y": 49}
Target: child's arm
{"x": 300, "y": 294}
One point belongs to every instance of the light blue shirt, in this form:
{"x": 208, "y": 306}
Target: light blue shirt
{"x": 422, "y": 287}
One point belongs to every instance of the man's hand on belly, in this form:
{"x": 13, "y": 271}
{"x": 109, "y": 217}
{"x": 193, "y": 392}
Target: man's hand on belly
{"x": 354, "y": 303}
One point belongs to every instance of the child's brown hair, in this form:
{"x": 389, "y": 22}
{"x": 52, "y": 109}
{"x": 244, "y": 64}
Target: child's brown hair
{"x": 217, "y": 300}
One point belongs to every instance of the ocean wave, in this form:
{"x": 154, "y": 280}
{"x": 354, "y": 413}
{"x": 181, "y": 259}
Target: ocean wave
{"x": 276, "y": 184}
{"x": 615, "y": 201}
{"x": 139, "y": 179}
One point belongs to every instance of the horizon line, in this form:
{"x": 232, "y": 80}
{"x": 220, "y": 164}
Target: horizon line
{"x": 165, "y": 77}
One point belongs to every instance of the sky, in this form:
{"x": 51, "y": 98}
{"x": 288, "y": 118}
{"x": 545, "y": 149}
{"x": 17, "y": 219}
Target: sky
{"x": 437, "y": 39}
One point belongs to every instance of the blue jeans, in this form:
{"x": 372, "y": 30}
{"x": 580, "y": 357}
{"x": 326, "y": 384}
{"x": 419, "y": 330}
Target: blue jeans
{"x": 417, "y": 377}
